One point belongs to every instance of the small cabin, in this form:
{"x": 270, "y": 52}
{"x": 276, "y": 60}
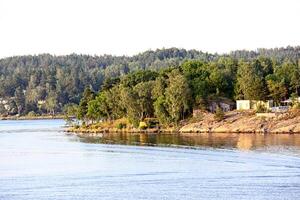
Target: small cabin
{"x": 252, "y": 104}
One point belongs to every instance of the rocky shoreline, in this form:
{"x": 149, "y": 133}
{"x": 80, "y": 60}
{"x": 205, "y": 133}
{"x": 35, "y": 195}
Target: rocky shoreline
{"x": 233, "y": 122}
{"x": 247, "y": 122}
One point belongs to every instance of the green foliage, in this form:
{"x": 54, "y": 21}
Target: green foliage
{"x": 276, "y": 87}
{"x": 219, "y": 114}
{"x": 51, "y": 102}
{"x": 93, "y": 110}
{"x": 161, "y": 112}
{"x": 68, "y": 76}
{"x": 70, "y": 109}
{"x": 261, "y": 108}
{"x": 295, "y": 102}
{"x": 121, "y": 125}
{"x": 250, "y": 81}
{"x": 20, "y": 100}
{"x": 198, "y": 77}
{"x": 31, "y": 114}
{"x": 143, "y": 125}
{"x": 144, "y": 99}
{"x": 88, "y": 95}
{"x": 178, "y": 96}
{"x": 134, "y": 78}
{"x": 166, "y": 84}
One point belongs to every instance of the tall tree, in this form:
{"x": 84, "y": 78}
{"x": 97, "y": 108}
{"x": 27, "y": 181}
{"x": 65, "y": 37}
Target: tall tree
{"x": 20, "y": 100}
{"x": 88, "y": 95}
{"x": 276, "y": 87}
{"x": 177, "y": 96}
{"x": 250, "y": 82}
{"x": 51, "y": 102}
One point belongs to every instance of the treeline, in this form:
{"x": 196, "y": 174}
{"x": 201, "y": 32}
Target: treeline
{"x": 46, "y": 83}
{"x": 171, "y": 94}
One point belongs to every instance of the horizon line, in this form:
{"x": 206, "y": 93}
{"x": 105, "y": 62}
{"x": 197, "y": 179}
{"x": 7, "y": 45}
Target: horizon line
{"x": 150, "y": 49}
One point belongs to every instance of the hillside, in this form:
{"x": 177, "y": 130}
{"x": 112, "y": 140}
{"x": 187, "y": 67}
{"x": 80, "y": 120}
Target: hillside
{"x": 46, "y": 83}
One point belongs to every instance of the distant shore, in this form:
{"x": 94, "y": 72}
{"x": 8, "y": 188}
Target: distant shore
{"x": 32, "y": 117}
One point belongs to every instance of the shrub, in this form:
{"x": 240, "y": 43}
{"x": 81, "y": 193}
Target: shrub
{"x": 260, "y": 108}
{"x": 143, "y": 125}
{"x": 219, "y": 115}
{"x": 121, "y": 125}
{"x": 151, "y": 122}
{"x": 31, "y": 114}
{"x": 83, "y": 124}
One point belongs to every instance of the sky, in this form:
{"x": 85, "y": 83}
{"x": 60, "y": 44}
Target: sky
{"x": 128, "y": 27}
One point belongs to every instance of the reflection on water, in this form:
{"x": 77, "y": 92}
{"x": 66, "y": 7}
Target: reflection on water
{"x": 216, "y": 140}
{"x": 39, "y": 161}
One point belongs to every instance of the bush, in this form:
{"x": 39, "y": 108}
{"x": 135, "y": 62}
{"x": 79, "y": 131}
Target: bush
{"x": 31, "y": 114}
{"x": 143, "y": 125}
{"x": 151, "y": 122}
{"x": 83, "y": 124}
{"x": 219, "y": 115}
{"x": 121, "y": 125}
{"x": 260, "y": 108}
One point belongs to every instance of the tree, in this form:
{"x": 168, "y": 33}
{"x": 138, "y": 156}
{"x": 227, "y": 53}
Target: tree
{"x": 289, "y": 72}
{"x": 115, "y": 103}
{"x": 161, "y": 111}
{"x": 70, "y": 111}
{"x": 88, "y": 95}
{"x": 250, "y": 82}
{"x": 198, "y": 77}
{"x": 20, "y": 100}
{"x": 2, "y": 110}
{"x": 177, "y": 96}
{"x": 144, "y": 99}
{"x": 276, "y": 88}
{"x": 93, "y": 110}
{"x": 129, "y": 101}
{"x": 99, "y": 107}
{"x": 207, "y": 74}
{"x": 159, "y": 87}
{"x": 295, "y": 80}
{"x": 51, "y": 102}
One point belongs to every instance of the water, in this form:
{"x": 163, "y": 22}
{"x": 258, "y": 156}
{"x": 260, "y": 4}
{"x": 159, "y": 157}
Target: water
{"x": 39, "y": 161}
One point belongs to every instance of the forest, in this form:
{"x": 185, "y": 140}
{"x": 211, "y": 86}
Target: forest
{"x": 166, "y": 83}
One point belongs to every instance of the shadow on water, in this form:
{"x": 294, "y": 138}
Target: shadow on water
{"x": 217, "y": 140}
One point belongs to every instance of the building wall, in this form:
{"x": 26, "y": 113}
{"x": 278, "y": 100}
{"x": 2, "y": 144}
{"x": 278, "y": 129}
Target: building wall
{"x": 252, "y": 104}
{"x": 243, "y": 105}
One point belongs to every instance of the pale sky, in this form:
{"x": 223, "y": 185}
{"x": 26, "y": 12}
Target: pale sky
{"x": 127, "y": 27}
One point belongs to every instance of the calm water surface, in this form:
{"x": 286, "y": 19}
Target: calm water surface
{"x": 39, "y": 161}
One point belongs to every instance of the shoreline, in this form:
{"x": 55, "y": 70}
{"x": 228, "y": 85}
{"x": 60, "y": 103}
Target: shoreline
{"x": 233, "y": 122}
{"x": 93, "y": 132}
{"x": 46, "y": 117}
